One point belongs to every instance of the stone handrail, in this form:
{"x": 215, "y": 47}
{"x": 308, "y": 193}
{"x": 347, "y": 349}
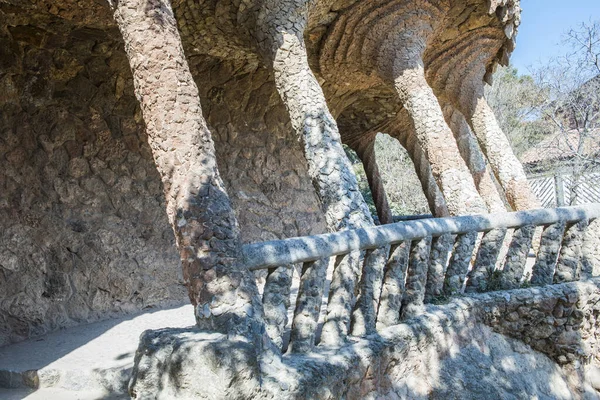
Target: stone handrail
{"x": 310, "y": 248}
{"x": 397, "y": 268}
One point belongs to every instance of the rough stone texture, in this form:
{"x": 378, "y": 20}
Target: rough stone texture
{"x": 228, "y": 368}
{"x": 559, "y": 320}
{"x": 545, "y": 263}
{"x": 447, "y": 352}
{"x": 514, "y": 265}
{"x": 84, "y": 232}
{"x": 568, "y": 266}
{"x": 394, "y": 284}
{"x": 259, "y": 157}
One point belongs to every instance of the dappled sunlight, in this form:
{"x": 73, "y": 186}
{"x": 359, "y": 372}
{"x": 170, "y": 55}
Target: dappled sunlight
{"x": 98, "y": 355}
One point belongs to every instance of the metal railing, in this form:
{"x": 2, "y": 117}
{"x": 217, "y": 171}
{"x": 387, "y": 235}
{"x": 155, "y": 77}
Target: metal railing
{"x": 396, "y": 268}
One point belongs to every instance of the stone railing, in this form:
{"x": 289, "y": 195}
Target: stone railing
{"x": 400, "y": 267}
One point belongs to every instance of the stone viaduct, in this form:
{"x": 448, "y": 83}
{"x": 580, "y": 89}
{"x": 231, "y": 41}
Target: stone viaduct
{"x": 231, "y": 115}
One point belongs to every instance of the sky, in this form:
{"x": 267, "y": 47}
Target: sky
{"x": 543, "y": 24}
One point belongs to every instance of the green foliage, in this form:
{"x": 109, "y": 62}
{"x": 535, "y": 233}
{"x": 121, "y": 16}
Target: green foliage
{"x": 517, "y": 101}
{"x": 441, "y": 299}
{"x": 400, "y": 180}
{"x": 494, "y": 281}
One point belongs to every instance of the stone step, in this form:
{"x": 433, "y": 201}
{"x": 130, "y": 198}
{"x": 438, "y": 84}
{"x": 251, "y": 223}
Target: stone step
{"x": 91, "y": 358}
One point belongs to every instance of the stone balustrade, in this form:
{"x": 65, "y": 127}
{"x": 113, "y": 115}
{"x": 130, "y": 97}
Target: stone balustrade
{"x": 427, "y": 261}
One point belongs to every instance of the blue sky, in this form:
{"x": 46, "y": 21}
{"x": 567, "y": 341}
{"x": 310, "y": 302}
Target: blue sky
{"x": 543, "y": 23}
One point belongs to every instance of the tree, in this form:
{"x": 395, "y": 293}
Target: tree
{"x": 516, "y": 101}
{"x": 552, "y": 116}
{"x": 570, "y": 89}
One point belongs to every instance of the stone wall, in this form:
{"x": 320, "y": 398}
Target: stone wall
{"x": 560, "y": 321}
{"x": 84, "y": 234}
{"x": 260, "y": 158}
{"x": 448, "y": 352}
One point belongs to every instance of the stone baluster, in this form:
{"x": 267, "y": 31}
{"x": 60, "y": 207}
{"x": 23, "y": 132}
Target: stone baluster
{"x": 308, "y": 306}
{"x": 341, "y": 299}
{"x": 460, "y": 260}
{"x": 568, "y": 267}
{"x": 441, "y": 247}
{"x": 590, "y": 250}
{"x": 516, "y": 258}
{"x": 276, "y": 302}
{"x": 416, "y": 279}
{"x": 393, "y": 287}
{"x": 485, "y": 261}
{"x": 364, "y": 316}
{"x": 547, "y": 256}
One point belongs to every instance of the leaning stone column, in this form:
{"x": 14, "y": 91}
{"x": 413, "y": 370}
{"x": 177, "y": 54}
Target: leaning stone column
{"x": 364, "y": 146}
{"x": 279, "y": 30}
{"x": 403, "y": 130}
{"x": 222, "y": 291}
{"x": 491, "y": 243}
{"x": 473, "y": 156}
{"x": 431, "y": 130}
{"x": 496, "y": 147}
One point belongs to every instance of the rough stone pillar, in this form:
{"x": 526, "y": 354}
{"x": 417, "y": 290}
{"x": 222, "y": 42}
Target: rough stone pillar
{"x": 223, "y": 292}
{"x": 279, "y": 30}
{"x": 403, "y": 130}
{"x": 471, "y": 152}
{"x": 507, "y": 168}
{"x": 364, "y": 146}
{"x": 433, "y": 134}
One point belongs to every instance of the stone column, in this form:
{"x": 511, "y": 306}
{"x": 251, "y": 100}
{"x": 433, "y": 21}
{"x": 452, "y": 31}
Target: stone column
{"x": 279, "y": 31}
{"x": 364, "y": 146}
{"x": 507, "y": 168}
{"x": 471, "y": 152}
{"x": 402, "y": 129}
{"x": 431, "y": 130}
{"x": 222, "y": 290}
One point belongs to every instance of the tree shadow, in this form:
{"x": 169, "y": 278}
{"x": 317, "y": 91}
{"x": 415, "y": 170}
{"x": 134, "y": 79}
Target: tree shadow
{"x": 99, "y": 353}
